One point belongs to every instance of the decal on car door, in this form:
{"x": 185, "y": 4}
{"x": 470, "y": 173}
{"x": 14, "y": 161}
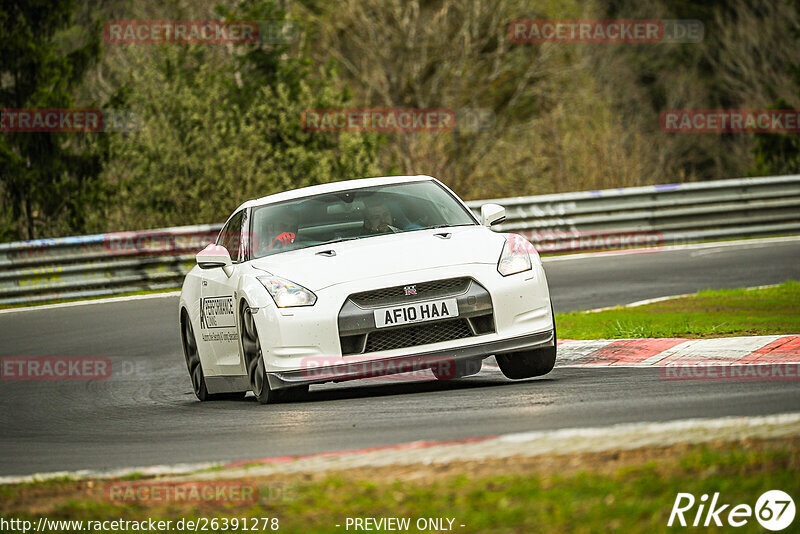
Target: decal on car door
{"x": 217, "y": 312}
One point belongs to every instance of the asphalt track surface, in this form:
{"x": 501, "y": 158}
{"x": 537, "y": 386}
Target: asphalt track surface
{"x": 145, "y": 413}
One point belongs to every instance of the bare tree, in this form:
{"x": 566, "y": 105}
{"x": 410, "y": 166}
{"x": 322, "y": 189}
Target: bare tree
{"x": 451, "y": 54}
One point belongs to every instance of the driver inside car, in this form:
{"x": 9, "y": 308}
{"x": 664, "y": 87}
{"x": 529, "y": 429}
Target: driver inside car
{"x": 378, "y": 220}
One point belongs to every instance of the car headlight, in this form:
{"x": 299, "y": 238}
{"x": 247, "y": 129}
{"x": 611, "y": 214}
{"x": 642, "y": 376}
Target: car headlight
{"x": 515, "y": 257}
{"x": 287, "y": 294}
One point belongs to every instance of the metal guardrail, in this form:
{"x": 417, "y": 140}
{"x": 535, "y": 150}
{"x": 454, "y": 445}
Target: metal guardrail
{"x": 656, "y": 214}
{"x": 108, "y": 264}
{"x": 99, "y": 265}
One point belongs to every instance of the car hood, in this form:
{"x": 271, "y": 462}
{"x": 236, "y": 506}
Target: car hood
{"x": 387, "y": 254}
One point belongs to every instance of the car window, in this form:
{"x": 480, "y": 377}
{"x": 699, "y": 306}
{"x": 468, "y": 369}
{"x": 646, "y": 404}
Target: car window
{"x": 354, "y": 214}
{"x": 230, "y": 236}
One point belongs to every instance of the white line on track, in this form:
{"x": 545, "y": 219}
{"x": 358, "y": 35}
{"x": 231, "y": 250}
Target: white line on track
{"x": 645, "y": 302}
{"x": 746, "y": 243}
{"x": 93, "y": 301}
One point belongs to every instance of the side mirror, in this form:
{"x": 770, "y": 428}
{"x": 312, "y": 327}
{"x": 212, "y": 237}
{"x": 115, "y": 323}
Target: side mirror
{"x": 214, "y": 256}
{"x": 492, "y": 214}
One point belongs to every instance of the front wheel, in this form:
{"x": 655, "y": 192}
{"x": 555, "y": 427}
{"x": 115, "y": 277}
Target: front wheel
{"x": 195, "y": 367}
{"x": 449, "y": 370}
{"x": 254, "y": 359}
{"x": 529, "y": 363}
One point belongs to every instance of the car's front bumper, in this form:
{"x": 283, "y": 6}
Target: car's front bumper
{"x": 296, "y": 339}
{"x": 414, "y": 361}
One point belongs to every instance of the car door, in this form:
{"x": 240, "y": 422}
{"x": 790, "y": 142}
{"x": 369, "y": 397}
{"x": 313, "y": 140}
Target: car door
{"x": 218, "y": 313}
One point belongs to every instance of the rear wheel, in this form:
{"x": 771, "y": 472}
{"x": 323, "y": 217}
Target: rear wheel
{"x": 254, "y": 359}
{"x": 195, "y": 366}
{"x": 529, "y": 363}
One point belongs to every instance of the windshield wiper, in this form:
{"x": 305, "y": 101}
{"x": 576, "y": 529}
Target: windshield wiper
{"x": 435, "y": 226}
{"x": 337, "y": 240}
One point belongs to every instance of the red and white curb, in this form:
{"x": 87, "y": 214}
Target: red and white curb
{"x": 781, "y": 352}
{"x": 666, "y": 353}
{"x": 661, "y": 352}
{"x": 566, "y": 441}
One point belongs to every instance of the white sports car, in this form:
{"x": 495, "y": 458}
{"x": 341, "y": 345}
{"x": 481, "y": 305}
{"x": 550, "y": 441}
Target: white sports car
{"x": 359, "y": 279}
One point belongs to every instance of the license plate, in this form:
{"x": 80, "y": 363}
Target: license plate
{"x": 419, "y": 312}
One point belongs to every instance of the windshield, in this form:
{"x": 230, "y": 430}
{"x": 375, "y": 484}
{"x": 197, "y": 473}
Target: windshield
{"x": 353, "y": 214}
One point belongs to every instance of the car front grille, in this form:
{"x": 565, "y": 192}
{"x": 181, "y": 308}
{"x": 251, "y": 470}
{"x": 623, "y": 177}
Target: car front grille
{"x": 421, "y": 334}
{"x": 400, "y": 337}
{"x": 424, "y": 290}
{"x": 358, "y": 333}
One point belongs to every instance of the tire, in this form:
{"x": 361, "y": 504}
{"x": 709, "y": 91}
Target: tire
{"x": 195, "y": 366}
{"x": 254, "y": 360}
{"x": 456, "y": 369}
{"x": 529, "y": 363}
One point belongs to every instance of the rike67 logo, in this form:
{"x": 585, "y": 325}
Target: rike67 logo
{"x": 774, "y": 510}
